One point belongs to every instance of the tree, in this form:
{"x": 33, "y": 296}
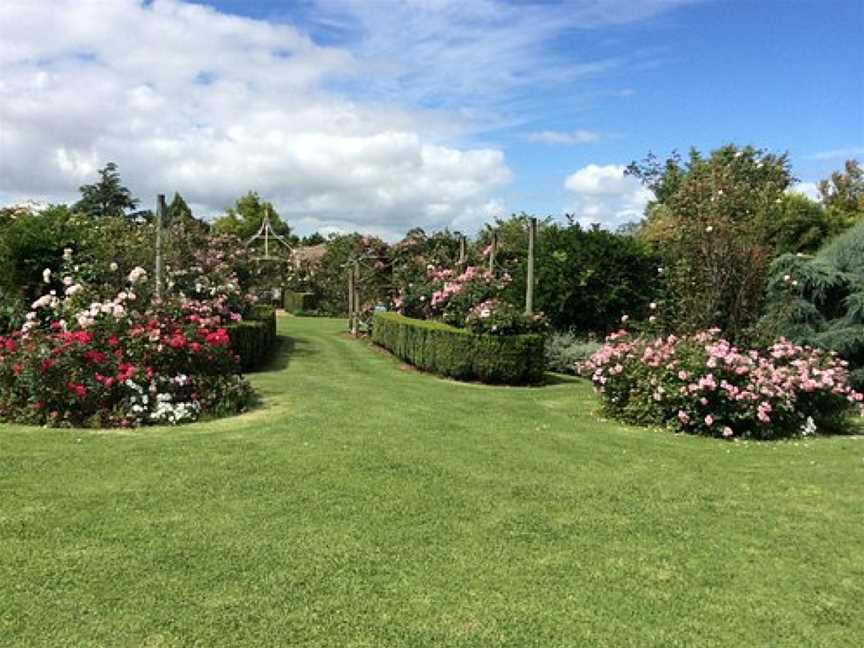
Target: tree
{"x": 33, "y": 243}
{"x": 819, "y": 299}
{"x": 586, "y": 279}
{"x": 312, "y": 239}
{"x": 709, "y": 222}
{"x": 843, "y": 194}
{"x": 245, "y": 217}
{"x": 797, "y": 224}
{"x": 108, "y": 197}
{"x": 178, "y": 209}
{"x": 180, "y": 216}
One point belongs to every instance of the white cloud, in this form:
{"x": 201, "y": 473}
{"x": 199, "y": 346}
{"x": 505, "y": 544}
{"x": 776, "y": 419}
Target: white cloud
{"x": 185, "y": 98}
{"x": 605, "y": 195}
{"x": 564, "y": 137}
{"x": 837, "y": 154}
{"x": 809, "y": 189}
{"x": 360, "y": 134}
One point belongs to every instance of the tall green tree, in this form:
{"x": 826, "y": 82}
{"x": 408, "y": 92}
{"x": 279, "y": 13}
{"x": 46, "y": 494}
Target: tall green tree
{"x": 709, "y": 223}
{"x": 107, "y": 197}
{"x": 245, "y": 217}
{"x": 843, "y": 194}
{"x": 797, "y": 224}
{"x": 180, "y": 216}
{"x": 178, "y": 209}
{"x": 315, "y": 238}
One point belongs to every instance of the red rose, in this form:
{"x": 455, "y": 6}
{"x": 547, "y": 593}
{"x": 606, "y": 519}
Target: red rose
{"x": 76, "y": 388}
{"x": 94, "y": 357}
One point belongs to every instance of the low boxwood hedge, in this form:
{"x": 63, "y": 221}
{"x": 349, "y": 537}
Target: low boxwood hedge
{"x": 457, "y": 353}
{"x": 253, "y": 338}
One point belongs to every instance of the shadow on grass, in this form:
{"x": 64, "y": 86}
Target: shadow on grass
{"x": 550, "y": 378}
{"x": 284, "y": 351}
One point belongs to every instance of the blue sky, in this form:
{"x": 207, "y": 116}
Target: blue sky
{"x": 495, "y": 106}
{"x": 784, "y": 75}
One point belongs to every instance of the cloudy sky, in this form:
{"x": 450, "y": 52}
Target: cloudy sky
{"x": 381, "y": 115}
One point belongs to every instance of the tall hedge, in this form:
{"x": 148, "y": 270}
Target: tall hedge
{"x": 299, "y": 301}
{"x": 254, "y": 338}
{"x": 457, "y": 353}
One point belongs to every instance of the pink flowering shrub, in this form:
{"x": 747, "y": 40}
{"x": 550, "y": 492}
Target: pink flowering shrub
{"x": 495, "y": 317}
{"x": 450, "y": 294}
{"x": 209, "y": 289}
{"x": 702, "y": 384}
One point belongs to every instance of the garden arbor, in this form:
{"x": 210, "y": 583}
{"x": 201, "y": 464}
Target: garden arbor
{"x": 356, "y": 281}
{"x": 266, "y": 233}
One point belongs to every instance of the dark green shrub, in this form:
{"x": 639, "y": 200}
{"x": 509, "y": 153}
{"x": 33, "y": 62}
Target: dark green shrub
{"x": 457, "y": 353}
{"x": 253, "y": 338}
{"x": 586, "y": 278}
{"x": 299, "y": 301}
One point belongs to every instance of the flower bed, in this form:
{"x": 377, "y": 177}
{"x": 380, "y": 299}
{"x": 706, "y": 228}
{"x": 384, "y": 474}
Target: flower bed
{"x": 129, "y": 360}
{"x": 117, "y": 374}
{"x": 460, "y": 354}
{"x": 701, "y": 384}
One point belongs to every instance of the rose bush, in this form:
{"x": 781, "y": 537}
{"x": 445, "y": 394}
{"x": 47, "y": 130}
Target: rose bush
{"x": 496, "y": 317}
{"x": 702, "y": 384}
{"x": 125, "y": 361}
{"x": 450, "y": 295}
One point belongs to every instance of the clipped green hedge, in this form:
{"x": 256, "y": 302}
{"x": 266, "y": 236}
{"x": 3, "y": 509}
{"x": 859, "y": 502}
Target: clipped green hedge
{"x": 457, "y": 353}
{"x": 253, "y": 338}
{"x": 299, "y": 301}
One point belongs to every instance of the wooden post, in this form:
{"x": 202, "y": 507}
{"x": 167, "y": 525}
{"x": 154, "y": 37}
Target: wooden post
{"x": 355, "y": 319}
{"x": 492, "y": 249}
{"x": 529, "y": 283}
{"x": 161, "y": 213}
{"x": 350, "y": 295}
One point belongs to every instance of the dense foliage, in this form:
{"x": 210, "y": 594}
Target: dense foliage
{"x": 458, "y": 353}
{"x": 703, "y": 384}
{"x": 244, "y": 219}
{"x": 330, "y": 284}
{"x": 586, "y": 279}
{"x": 725, "y": 243}
{"x": 707, "y": 223}
{"x": 86, "y": 341}
{"x": 127, "y": 360}
{"x": 819, "y": 300}
{"x": 107, "y": 197}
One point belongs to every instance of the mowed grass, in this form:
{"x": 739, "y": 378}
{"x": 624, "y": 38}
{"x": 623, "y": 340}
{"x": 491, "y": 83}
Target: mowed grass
{"x": 364, "y": 504}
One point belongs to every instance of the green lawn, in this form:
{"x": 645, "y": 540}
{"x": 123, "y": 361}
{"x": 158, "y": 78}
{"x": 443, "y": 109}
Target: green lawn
{"x": 364, "y": 504}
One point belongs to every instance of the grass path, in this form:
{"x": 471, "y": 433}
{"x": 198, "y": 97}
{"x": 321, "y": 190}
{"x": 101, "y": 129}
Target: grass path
{"x": 367, "y": 505}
